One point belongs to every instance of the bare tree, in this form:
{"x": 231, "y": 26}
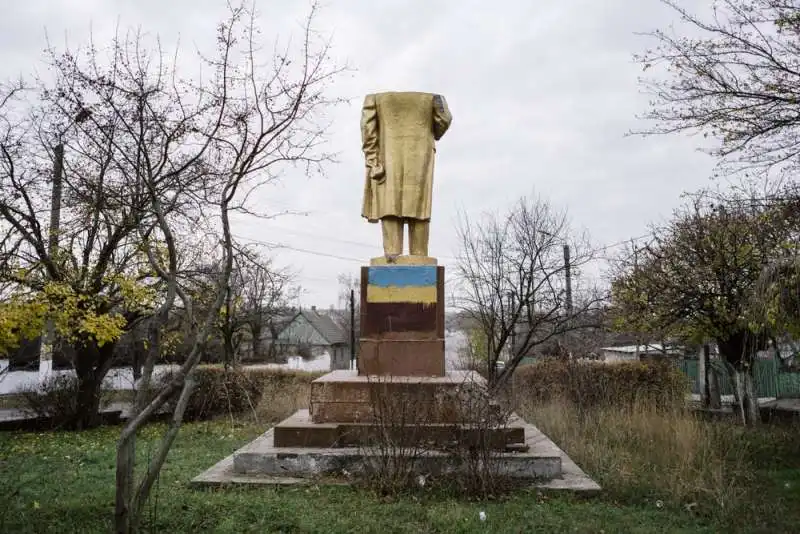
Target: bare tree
{"x": 246, "y": 123}
{"x": 734, "y": 75}
{"x": 266, "y": 292}
{"x": 512, "y": 281}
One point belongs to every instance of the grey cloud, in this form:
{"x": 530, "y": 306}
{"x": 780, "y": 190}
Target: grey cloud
{"x": 542, "y": 94}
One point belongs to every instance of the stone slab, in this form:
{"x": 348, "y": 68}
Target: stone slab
{"x": 299, "y": 430}
{"x": 222, "y": 474}
{"x": 261, "y": 457}
{"x": 343, "y": 396}
{"x": 401, "y": 357}
{"x": 406, "y": 259}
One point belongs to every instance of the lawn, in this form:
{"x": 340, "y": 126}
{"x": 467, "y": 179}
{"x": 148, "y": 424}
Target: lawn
{"x": 63, "y": 482}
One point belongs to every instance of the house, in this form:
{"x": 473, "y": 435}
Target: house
{"x": 310, "y": 333}
{"x": 628, "y": 353}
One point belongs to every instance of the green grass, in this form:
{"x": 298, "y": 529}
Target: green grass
{"x": 63, "y": 482}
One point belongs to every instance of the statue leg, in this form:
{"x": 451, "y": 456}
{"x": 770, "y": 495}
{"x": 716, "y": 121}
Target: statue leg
{"x": 392, "y": 236}
{"x": 418, "y": 232}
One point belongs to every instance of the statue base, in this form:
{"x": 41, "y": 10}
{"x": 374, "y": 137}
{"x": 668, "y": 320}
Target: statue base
{"x": 402, "y": 319}
{"x": 403, "y": 260}
{"x": 400, "y": 395}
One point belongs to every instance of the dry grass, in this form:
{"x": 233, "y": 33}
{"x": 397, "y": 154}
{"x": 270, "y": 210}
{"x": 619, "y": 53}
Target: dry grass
{"x": 284, "y": 393}
{"x": 665, "y": 456}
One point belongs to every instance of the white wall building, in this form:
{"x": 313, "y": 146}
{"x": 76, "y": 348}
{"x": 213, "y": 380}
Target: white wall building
{"x": 632, "y": 353}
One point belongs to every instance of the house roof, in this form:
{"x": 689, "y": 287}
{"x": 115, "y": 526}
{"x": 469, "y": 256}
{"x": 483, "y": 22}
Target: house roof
{"x": 643, "y": 349}
{"x": 325, "y": 325}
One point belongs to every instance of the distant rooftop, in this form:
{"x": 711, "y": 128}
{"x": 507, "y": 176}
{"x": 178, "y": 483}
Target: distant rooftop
{"x": 325, "y": 325}
{"x": 651, "y": 348}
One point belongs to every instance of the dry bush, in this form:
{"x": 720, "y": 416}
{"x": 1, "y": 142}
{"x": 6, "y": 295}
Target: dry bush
{"x": 55, "y": 400}
{"x": 641, "y": 451}
{"x": 409, "y": 449}
{"x": 476, "y": 449}
{"x": 284, "y": 392}
{"x": 593, "y": 384}
{"x": 395, "y": 443}
{"x": 266, "y": 395}
{"x": 218, "y": 391}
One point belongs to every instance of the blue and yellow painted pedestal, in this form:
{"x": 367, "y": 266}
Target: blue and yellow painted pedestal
{"x": 402, "y": 319}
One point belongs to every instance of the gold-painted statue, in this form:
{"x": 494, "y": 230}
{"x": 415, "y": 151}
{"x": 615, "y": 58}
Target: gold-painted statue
{"x": 398, "y": 133}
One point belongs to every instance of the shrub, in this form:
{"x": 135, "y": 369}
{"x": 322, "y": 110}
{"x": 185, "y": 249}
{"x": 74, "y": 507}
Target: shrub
{"x": 235, "y": 391}
{"x": 55, "y": 400}
{"x": 404, "y": 429}
{"x": 285, "y": 392}
{"x": 588, "y": 384}
{"x": 218, "y": 391}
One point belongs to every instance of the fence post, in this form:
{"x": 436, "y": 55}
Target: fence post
{"x": 702, "y": 374}
{"x": 776, "y": 370}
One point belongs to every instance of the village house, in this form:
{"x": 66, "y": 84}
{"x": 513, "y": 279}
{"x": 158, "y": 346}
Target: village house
{"x": 309, "y": 333}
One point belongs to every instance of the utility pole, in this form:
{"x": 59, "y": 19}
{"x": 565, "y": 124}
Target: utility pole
{"x": 635, "y": 270}
{"x": 568, "y": 277}
{"x": 511, "y": 305}
{"x": 568, "y": 308}
{"x": 48, "y": 336}
{"x": 352, "y": 328}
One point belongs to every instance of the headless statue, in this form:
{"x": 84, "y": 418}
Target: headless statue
{"x": 398, "y": 132}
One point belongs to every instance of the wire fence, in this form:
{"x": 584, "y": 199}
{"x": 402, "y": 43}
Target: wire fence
{"x": 768, "y": 377}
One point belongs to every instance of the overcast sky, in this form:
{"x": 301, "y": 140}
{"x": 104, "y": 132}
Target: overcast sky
{"x": 542, "y": 95}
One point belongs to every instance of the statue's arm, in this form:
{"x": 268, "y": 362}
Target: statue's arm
{"x": 370, "y": 140}
{"x": 441, "y": 116}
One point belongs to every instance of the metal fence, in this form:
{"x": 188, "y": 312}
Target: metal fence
{"x": 769, "y": 379}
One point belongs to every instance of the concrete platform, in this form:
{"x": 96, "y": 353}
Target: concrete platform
{"x": 299, "y": 430}
{"x": 544, "y": 465}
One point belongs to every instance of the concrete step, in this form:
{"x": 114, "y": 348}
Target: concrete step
{"x": 262, "y": 457}
{"x": 300, "y": 431}
{"x": 347, "y": 397}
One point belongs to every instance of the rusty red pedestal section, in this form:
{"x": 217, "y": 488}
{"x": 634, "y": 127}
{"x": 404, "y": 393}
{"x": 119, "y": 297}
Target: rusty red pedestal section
{"x": 402, "y": 326}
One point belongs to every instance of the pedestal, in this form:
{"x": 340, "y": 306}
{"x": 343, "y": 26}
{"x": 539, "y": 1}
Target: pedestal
{"x": 402, "y": 319}
{"x": 400, "y": 392}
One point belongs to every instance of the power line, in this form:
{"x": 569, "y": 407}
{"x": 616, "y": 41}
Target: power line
{"x": 649, "y": 234}
{"x": 272, "y": 244}
{"x": 326, "y": 238}
{"x": 297, "y": 249}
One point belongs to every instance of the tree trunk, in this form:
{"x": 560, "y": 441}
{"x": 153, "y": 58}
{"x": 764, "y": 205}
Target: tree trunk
{"x": 136, "y": 364}
{"x": 712, "y": 381}
{"x": 87, "y": 403}
{"x": 747, "y": 401}
{"x": 255, "y": 334}
{"x": 91, "y": 366}
{"x": 739, "y": 349}
{"x": 273, "y": 346}
{"x": 126, "y": 519}
{"x": 126, "y": 456}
